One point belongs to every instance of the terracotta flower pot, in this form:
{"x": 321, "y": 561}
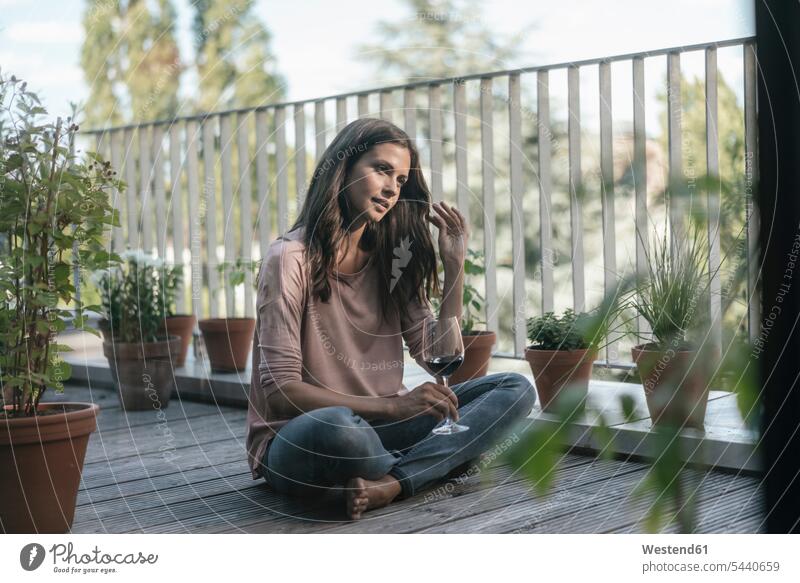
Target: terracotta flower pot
{"x": 228, "y": 342}
{"x": 143, "y": 372}
{"x": 557, "y": 372}
{"x": 42, "y": 459}
{"x": 477, "y": 354}
{"x": 675, "y": 384}
{"x": 181, "y": 325}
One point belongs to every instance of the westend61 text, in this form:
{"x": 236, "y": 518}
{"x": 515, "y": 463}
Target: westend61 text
{"x": 675, "y": 550}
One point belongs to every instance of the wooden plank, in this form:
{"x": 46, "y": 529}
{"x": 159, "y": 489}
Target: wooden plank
{"x": 460, "y": 124}
{"x": 437, "y": 159}
{"x": 640, "y": 180}
{"x": 517, "y": 214}
{"x": 751, "y": 180}
{"x": 179, "y": 433}
{"x": 133, "y": 240}
{"x": 209, "y": 201}
{"x": 228, "y": 228}
{"x": 282, "y": 170}
{"x": 488, "y": 197}
{"x": 576, "y": 188}
{"x": 410, "y": 112}
{"x": 145, "y": 188}
{"x": 159, "y": 196}
{"x": 300, "y": 154}
{"x": 196, "y": 215}
{"x": 264, "y": 214}
{"x": 245, "y": 209}
{"x": 545, "y": 193}
{"x": 177, "y": 205}
{"x": 713, "y": 200}
{"x": 610, "y": 277}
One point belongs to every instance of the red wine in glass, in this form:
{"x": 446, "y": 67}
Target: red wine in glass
{"x": 443, "y": 353}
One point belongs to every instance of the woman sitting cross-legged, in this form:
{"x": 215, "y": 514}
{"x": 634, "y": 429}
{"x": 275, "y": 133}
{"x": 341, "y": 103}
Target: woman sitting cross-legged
{"x": 337, "y": 296}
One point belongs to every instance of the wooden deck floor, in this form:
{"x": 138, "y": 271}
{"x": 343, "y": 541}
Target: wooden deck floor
{"x": 188, "y": 474}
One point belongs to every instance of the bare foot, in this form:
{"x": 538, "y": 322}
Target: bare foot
{"x": 363, "y": 495}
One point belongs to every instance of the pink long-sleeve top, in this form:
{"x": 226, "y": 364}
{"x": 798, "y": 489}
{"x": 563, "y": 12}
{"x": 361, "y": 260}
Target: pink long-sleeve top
{"x": 342, "y": 345}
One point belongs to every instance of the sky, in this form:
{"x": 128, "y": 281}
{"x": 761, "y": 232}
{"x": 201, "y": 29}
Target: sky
{"x": 315, "y": 40}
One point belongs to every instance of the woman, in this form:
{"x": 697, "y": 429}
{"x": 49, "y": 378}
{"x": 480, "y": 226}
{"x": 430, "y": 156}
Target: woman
{"x": 337, "y": 295}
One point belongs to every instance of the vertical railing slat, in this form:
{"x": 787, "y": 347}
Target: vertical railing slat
{"x": 158, "y": 190}
{"x": 116, "y": 196}
{"x": 133, "y": 239}
{"x": 712, "y": 166}
{"x": 607, "y": 194}
{"x": 576, "y": 188}
{"x": 319, "y": 128}
{"x": 245, "y": 209}
{"x": 545, "y": 188}
{"x": 196, "y": 216}
{"x": 488, "y": 194}
{"x": 209, "y": 197}
{"x": 677, "y": 204}
{"x": 281, "y": 169}
{"x": 363, "y": 105}
{"x": 640, "y": 180}
{"x": 300, "y": 153}
{"x": 437, "y": 160}
{"x": 145, "y": 192}
{"x": 262, "y": 184}
{"x": 410, "y": 112}
{"x": 517, "y": 210}
{"x": 176, "y": 202}
{"x": 341, "y": 113}
{"x": 460, "y": 124}
{"x": 228, "y": 232}
{"x": 751, "y": 178}
{"x": 386, "y": 108}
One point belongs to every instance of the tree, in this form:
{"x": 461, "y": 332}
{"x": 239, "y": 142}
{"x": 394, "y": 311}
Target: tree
{"x": 131, "y": 61}
{"x": 235, "y": 65}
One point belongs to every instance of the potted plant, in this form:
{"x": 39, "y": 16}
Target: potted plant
{"x": 140, "y": 354}
{"x": 670, "y": 298}
{"x": 54, "y": 212}
{"x": 560, "y": 355}
{"x": 176, "y": 324}
{"x": 228, "y": 340}
{"x": 478, "y": 344}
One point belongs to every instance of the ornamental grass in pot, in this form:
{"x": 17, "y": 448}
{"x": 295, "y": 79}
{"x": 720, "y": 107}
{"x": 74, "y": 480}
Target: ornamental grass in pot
{"x": 140, "y": 354}
{"x": 54, "y": 212}
{"x": 228, "y": 340}
{"x": 674, "y": 367}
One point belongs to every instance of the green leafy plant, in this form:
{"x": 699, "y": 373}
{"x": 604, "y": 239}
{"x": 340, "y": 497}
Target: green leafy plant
{"x": 236, "y": 271}
{"x": 565, "y": 332}
{"x": 472, "y": 301}
{"x": 172, "y": 280}
{"x": 134, "y": 297}
{"x": 54, "y": 214}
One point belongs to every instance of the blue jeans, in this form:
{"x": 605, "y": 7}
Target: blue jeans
{"x": 322, "y": 449}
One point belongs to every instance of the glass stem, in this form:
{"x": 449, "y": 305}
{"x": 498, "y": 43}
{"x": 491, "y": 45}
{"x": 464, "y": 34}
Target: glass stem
{"x": 447, "y": 420}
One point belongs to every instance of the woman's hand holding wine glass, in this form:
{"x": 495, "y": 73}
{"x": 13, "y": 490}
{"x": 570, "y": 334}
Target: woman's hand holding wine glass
{"x": 443, "y": 352}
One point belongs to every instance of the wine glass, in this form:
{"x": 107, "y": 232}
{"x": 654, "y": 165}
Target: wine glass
{"x": 443, "y": 352}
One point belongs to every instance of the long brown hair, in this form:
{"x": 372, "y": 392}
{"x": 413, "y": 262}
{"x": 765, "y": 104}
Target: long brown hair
{"x": 325, "y": 215}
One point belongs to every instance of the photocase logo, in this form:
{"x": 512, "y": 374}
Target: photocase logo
{"x": 31, "y": 556}
{"x": 402, "y": 255}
